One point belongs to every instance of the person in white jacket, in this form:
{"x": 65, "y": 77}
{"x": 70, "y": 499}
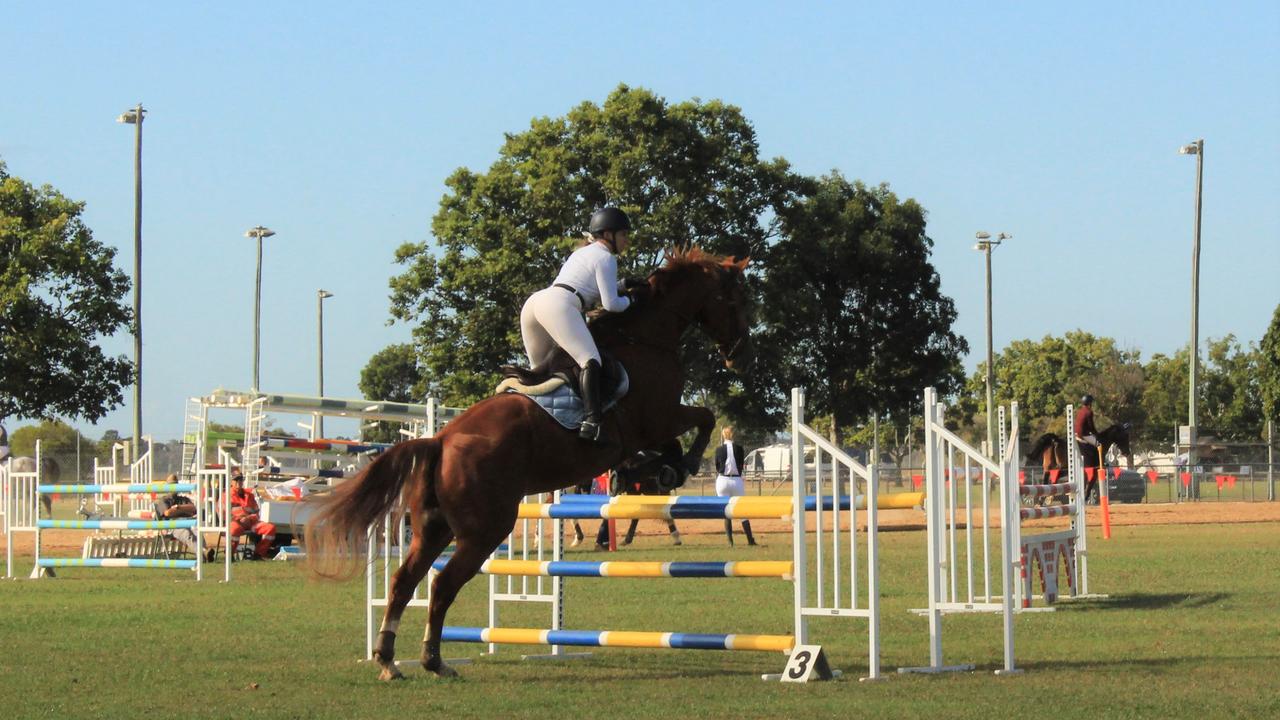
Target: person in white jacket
{"x": 555, "y": 316}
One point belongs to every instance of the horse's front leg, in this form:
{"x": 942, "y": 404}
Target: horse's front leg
{"x": 705, "y": 421}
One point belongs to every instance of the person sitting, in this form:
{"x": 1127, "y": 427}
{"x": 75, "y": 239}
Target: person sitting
{"x": 555, "y": 316}
{"x": 245, "y": 520}
{"x": 175, "y": 507}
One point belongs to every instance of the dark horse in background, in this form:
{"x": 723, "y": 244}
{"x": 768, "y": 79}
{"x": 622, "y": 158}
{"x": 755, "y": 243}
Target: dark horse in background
{"x": 465, "y": 484}
{"x": 650, "y": 472}
{"x": 1050, "y": 452}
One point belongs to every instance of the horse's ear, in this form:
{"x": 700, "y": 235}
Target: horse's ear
{"x": 739, "y": 265}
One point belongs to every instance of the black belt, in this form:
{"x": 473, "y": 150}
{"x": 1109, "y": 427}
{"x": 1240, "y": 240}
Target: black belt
{"x": 582, "y": 302}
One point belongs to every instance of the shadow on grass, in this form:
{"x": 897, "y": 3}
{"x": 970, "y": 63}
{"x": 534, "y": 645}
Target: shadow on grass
{"x": 1146, "y": 601}
{"x": 1145, "y": 663}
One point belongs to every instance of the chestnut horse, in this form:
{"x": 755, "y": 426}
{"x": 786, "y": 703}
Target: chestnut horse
{"x": 465, "y": 484}
{"x": 1050, "y": 452}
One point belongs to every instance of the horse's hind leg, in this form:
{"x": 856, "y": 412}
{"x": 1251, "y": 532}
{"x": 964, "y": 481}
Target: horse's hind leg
{"x": 468, "y": 556}
{"x": 423, "y": 550}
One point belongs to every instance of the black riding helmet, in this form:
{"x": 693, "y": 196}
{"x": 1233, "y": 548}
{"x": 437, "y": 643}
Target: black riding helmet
{"x": 1086, "y": 400}
{"x": 608, "y": 218}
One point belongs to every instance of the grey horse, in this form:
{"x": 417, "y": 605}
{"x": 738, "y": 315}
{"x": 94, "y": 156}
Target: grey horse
{"x": 50, "y": 474}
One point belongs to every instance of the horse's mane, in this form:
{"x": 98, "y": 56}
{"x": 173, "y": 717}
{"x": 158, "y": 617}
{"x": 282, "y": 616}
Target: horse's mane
{"x": 692, "y": 257}
{"x": 679, "y": 265}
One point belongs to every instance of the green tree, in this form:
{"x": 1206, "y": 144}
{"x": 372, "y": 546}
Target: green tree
{"x": 108, "y": 441}
{"x": 1230, "y": 396}
{"x": 59, "y": 294}
{"x": 1269, "y": 369}
{"x": 391, "y": 374}
{"x": 1164, "y": 396}
{"x": 687, "y": 172}
{"x": 1044, "y": 376}
{"x": 851, "y": 308}
{"x": 56, "y": 438}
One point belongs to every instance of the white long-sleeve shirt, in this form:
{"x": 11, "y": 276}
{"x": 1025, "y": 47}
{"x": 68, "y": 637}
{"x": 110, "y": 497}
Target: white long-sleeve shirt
{"x": 593, "y": 271}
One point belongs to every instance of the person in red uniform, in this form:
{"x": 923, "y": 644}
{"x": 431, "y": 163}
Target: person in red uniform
{"x": 1087, "y": 441}
{"x": 244, "y": 520}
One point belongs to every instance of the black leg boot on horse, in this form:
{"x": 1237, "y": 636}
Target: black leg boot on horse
{"x": 589, "y": 386}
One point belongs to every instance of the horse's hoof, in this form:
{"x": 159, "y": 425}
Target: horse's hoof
{"x": 390, "y": 672}
{"x": 440, "y": 668}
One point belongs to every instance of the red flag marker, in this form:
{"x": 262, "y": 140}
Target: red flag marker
{"x": 57, "y": 496}
{"x": 1115, "y": 472}
{"x": 1231, "y": 481}
{"x": 1022, "y": 476}
{"x": 917, "y": 480}
{"x": 297, "y": 492}
{"x": 1053, "y": 475}
{"x": 1152, "y": 475}
{"x": 1088, "y": 473}
{"x": 1220, "y": 480}
{"x": 1186, "y": 479}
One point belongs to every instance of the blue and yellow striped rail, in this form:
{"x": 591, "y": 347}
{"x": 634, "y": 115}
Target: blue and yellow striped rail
{"x": 611, "y": 638}
{"x": 691, "y": 507}
{"x": 118, "y": 488}
{"x": 116, "y": 524}
{"x": 118, "y": 563}
{"x": 662, "y": 508}
{"x": 568, "y": 568}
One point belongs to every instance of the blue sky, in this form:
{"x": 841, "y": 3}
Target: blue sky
{"x": 335, "y": 124}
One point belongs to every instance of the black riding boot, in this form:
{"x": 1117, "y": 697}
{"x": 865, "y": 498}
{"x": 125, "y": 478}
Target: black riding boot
{"x": 746, "y": 529}
{"x": 589, "y": 386}
{"x": 728, "y": 530}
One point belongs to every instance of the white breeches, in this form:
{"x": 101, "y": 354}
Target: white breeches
{"x": 729, "y": 486}
{"x": 551, "y": 317}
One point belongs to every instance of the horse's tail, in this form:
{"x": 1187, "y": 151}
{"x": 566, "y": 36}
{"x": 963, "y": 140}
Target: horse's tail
{"x": 1037, "y": 451}
{"x": 337, "y": 536}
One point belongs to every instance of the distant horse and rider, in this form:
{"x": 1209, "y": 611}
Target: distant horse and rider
{"x": 1050, "y": 451}
{"x": 465, "y": 484}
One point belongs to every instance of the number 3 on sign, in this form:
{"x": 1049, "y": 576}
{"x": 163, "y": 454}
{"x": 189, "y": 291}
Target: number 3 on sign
{"x": 807, "y": 662}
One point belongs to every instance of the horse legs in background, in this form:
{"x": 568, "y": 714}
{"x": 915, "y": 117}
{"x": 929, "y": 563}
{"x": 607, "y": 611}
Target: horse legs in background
{"x": 746, "y": 530}
{"x": 425, "y": 547}
{"x": 577, "y": 534}
{"x": 671, "y": 529}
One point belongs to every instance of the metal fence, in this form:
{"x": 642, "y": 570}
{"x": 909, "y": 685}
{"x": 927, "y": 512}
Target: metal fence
{"x": 1246, "y": 482}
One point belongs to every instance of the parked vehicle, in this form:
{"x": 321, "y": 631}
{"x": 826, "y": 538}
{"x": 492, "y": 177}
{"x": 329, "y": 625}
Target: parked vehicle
{"x": 774, "y": 460}
{"x": 1128, "y": 487}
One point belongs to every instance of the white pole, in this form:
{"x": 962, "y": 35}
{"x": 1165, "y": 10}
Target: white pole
{"x": 799, "y": 553}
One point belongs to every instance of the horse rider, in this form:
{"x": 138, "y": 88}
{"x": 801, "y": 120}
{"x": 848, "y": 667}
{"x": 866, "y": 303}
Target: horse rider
{"x": 1087, "y": 441}
{"x": 555, "y": 316}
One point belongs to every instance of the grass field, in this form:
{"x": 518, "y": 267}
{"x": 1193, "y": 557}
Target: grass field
{"x": 1190, "y": 630}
